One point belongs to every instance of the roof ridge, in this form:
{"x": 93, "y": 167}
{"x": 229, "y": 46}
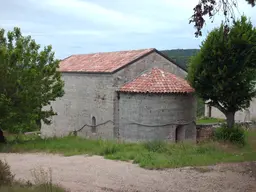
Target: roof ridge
{"x": 107, "y": 52}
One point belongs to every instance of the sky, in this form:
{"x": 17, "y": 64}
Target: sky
{"x": 89, "y": 26}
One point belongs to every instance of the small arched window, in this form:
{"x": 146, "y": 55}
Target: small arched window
{"x": 93, "y": 124}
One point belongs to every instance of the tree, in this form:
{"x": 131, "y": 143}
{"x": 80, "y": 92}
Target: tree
{"x": 29, "y": 80}
{"x": 223, "y": 72}
{"x": 210, "y": 8}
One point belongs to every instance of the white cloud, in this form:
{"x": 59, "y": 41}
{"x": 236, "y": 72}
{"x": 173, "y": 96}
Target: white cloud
{"x": 98, "y": 14}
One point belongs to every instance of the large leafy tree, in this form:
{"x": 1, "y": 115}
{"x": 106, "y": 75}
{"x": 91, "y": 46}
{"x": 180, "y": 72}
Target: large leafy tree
{"x": 224, "y": 70}
{"x": 29, "y": 80}
{"x": 209, "y": 8}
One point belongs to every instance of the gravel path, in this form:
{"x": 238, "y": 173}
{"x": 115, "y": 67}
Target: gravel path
{"x": 82, "y": 173}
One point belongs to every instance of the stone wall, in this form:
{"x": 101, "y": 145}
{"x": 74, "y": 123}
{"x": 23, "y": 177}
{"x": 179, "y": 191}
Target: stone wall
{"x": 86, "y": 96}
{"x": 204, "y": 132}
{"x": 157, "y": 117}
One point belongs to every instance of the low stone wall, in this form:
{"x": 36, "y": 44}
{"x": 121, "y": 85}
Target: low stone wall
{"x": 205, "y": 131}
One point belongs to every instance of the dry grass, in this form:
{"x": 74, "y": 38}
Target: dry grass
{"x": 42, "y": 182}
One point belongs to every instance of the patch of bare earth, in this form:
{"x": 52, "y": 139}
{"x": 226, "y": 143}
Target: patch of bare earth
{"x": 83, "y": 173}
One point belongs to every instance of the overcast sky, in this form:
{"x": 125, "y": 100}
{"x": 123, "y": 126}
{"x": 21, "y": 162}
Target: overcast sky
{"x": 86, "y": 26}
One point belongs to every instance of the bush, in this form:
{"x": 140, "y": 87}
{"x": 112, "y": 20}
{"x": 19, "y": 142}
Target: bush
{"x": 6, "y": 177}
{"x": 234, "y": 135}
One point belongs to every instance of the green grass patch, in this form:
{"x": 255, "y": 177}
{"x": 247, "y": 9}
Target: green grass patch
{"x": 151, "y": 155}
{"x": 206, "y": 120}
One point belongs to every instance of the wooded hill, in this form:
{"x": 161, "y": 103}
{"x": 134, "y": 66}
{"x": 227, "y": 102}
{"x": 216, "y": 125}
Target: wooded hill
{"x": 180, "y": 56}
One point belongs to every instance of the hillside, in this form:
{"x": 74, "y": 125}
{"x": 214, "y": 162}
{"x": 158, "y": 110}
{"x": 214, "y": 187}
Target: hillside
{"x": 180, "y": 56}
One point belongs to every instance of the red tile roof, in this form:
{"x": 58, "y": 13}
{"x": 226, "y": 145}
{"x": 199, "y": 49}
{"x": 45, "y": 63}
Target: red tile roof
{"x": 157, "y": 81}
{"x": 101, "y": 62}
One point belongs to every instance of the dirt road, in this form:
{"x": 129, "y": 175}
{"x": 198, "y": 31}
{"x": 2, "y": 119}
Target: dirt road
{"x": 82, "y": 174}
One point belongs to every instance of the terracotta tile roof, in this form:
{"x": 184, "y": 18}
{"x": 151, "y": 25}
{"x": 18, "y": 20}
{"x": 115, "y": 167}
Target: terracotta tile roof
{"x": 157, "y": 81}
{"x": 101, "y": 62}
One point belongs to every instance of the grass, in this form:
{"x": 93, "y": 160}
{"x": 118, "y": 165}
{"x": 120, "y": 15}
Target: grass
{"x": 151, "y": 155}
{"x": 206, "y": 120}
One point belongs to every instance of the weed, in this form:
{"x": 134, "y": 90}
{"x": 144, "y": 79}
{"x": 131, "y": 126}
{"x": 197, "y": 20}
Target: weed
{"x": 6, "y": 177}
{"x": 42, "y": 183}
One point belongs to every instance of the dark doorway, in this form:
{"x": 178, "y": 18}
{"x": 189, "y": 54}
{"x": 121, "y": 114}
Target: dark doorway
{"x": 93, "y": 124}
{"x": 179, "y": 133}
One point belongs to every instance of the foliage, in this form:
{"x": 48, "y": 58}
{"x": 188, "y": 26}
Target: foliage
{"x": 211, "y": 8}
{"x": 6, "y": 177}
{"x": 29, "y": 80}
{"x": 153, "y": 154}
{"x": 235, "y": 135}
{"x": 223, "y": 72}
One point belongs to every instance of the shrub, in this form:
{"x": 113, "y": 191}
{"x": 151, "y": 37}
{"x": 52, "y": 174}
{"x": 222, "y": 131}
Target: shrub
{"x": 6, "y": 177}
{"x": 156, "y": 146}
{"x": 234, "y": 135}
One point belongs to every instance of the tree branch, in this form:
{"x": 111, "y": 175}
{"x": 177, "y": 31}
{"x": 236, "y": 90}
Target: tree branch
{"x": 218, "y": 106}
{"x": 210, "y": 8}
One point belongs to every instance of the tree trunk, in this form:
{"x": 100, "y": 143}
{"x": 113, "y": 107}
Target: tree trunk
{"x": 230, "y": 119}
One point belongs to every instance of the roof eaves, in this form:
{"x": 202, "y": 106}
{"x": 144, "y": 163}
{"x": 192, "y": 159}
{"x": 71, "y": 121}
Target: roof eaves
{"x": 154, "y": 92}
